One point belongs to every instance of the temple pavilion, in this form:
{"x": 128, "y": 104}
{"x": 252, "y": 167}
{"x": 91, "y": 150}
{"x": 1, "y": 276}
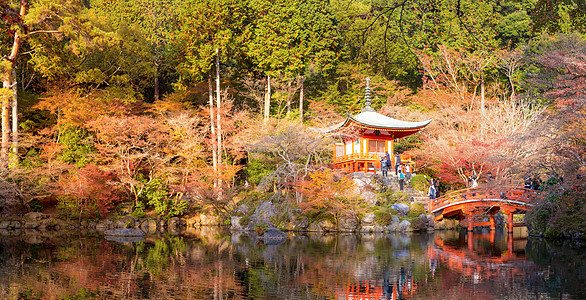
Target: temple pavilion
{"x": 367, "y": 137}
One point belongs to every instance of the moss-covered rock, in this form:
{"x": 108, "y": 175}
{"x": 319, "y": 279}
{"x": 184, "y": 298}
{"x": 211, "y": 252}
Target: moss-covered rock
{"x": 555, "y": 218}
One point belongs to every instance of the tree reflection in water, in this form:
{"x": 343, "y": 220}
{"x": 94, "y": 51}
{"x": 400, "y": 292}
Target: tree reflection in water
{"x": 209, "y": 264}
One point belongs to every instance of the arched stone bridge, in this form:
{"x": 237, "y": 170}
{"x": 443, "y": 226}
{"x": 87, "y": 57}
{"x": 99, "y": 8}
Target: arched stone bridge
{"x": 466, "y": 203}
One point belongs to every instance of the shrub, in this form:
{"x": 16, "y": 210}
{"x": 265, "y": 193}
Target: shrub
{"x": 78, "y": 145}
{"x": 256, "y": 170}
{"x": 418, "y": 224}
{"x": 87, "y": 192}
{"x": 400, "y": 197}
{"x": 386, "y": 198}
{"x": 420, "y": 183}
{"x": 416, "y": 210}
{"x": 244, "y": 221}
{"x": 156, "y": 193}
{"x": 383, "y": 216}
{"x": 35, "y": 205}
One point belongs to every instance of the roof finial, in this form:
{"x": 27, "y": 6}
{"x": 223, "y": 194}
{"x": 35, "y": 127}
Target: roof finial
{"x": 367, "y": 96}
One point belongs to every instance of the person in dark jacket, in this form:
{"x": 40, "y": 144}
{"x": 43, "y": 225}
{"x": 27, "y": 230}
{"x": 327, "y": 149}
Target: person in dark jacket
{"x": 384, "y": 164}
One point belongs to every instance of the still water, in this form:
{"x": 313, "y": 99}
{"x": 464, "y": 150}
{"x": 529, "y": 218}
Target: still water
{"x": 210, "y": 264}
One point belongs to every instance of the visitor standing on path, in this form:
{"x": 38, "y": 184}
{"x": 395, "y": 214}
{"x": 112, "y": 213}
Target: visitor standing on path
{"x": 397, "y": 163}
{"x": 431, "y": 191}
{"x": 401, "y": 179}
{"x": 408, "y": 172}
{"x": 384, "y": 164}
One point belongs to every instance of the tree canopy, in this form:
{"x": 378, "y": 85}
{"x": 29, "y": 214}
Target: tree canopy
{"x": 144, "y": 96}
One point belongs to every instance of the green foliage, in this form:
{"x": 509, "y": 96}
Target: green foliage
{"x": 35, "y": 205}
{"x": 156, "y": 194}
{"x": 389, "y": 198}
{"x": 256, "y": 170}
{"x": 420, "y": 183}
{"x": 260, "y": 229}
{"x": 560, "y": 16}
{"x": 138, "y": 210}
{"x": 79, "y": 145}
{"x": 416, "y": 210}
{"x": 383, "y": 215}
{"x": 287, "y": 36}
{"x": 244, "y": 221}
{"x": 418, "y": 224}
{"x": 70, "y": 207}
{"x": 408, "y": 143}
{"x": 281, "y": 219}
{"x": 31, "y": 160}
{"x": 82, "y": 294}
{"x": 400, "y": 197}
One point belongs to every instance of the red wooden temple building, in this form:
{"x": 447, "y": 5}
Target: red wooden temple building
{"x": 367, "y": 137}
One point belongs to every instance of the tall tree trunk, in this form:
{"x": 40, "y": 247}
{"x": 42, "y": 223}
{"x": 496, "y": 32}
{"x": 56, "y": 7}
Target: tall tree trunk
{"x": 482, "y": 94}
{"x": 14, "y": 114}
{"x": 5, "y": 123}
{"x": 512, "y": 88}
{"x": 219, "y": 113}
{"x": 6, "y": 86}
{"x": 289, "y": 98}
{"x": 157, "y": 92}
{"x": 268, "y": 98}
{"x": 301, "y": 99}
{"x": 213, "y": 127}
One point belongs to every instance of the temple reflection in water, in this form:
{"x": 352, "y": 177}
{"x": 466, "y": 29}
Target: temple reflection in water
{"x": 209, "y": 264}
{"x": 480, "y": 256}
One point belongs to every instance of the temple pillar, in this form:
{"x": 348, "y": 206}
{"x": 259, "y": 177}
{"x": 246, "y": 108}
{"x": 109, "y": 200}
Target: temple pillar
{"x": 470, "y": 240}
{"x": 492, "y": 222}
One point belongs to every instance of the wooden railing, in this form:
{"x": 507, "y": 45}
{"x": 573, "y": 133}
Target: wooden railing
{"x": 357, "y": 157}
{"x": 508, "y": 195}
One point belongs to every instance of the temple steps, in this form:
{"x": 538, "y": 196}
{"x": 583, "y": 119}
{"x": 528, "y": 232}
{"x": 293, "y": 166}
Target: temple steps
{"x": 415, "y": 195}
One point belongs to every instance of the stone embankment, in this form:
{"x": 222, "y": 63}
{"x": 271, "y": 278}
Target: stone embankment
{"x": 262, "y": 220}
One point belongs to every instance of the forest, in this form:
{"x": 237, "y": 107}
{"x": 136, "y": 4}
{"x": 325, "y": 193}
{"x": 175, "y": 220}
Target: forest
{"x": 167, "y": 107}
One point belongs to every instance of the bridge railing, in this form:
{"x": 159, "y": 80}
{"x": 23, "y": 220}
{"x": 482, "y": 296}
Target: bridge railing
{"x": 518, "y": 194}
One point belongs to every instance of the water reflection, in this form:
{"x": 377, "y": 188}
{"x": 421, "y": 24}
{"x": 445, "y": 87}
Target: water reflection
{"x": 210, "y": 264}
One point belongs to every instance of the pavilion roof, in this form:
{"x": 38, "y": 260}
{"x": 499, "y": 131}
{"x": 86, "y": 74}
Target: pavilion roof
{"x": 374, "y": 120}
{"x": 379, "y": 121}
{"x": 370, "y": 119}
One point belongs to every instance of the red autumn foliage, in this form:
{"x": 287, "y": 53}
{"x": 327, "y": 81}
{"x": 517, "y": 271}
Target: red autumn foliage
{"x": 91, "y": 191}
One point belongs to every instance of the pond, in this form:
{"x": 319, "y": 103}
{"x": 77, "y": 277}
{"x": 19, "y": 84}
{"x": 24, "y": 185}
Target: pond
{"x": 210, "y": 264}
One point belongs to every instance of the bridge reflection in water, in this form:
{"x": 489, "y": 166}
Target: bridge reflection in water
{"x": 481, "y": 257}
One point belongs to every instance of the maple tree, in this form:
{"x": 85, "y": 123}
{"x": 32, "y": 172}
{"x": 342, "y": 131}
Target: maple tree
{"x": 325, "y": 193}
{"x": 462, "y": 143}
{"x": 132, "y": 148}
{"x": 557, "y": 141}
{"x": 87, "y": 193}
